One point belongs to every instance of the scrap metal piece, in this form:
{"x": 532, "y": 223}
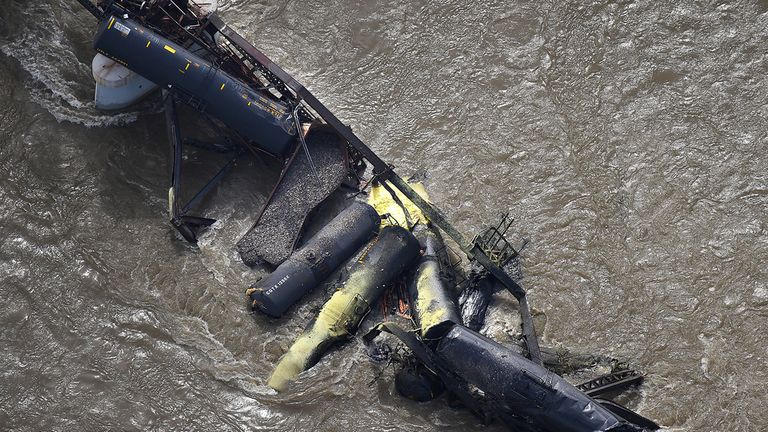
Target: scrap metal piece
{"x": 435, "y": 365}
{"x": 636, "y": 420}
{"x": 187, "y": 225}
{"x": 476, "y": 297}
{"x": 615, "y": 381}
{"x": 302, "y": 139}
{"x": 493, "y": 242}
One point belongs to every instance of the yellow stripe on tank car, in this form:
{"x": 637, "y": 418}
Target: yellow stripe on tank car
{"x": 169, "y": 49}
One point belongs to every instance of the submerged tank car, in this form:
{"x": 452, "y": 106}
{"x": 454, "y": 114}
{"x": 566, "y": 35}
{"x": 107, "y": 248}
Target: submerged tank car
{"x": 398, "y": 239}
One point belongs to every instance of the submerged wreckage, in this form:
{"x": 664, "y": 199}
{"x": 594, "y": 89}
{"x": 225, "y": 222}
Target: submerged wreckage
{"x": 392, "y": 244}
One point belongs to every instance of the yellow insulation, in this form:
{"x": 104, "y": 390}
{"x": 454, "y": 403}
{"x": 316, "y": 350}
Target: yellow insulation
{"x": 382, "y": 201}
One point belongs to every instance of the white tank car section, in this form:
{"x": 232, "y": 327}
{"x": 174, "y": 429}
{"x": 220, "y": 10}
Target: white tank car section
{"x": 117, "y": 87}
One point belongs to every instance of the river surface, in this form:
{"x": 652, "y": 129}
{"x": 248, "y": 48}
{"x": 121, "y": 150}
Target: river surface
{"x": 628, "y": 138}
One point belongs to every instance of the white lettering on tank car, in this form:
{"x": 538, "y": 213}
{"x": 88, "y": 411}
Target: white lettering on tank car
{"x": 277, "y": 285}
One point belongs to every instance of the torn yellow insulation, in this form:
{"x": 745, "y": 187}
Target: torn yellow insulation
{"x": 391, "y": 253}
{"x": 381, "y": 199}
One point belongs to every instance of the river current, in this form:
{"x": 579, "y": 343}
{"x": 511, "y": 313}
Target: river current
{"x": 627, "y": 138}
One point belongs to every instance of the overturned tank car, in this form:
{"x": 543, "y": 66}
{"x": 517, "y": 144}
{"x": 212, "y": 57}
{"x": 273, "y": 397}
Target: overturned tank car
{"x": 386, "y": 234}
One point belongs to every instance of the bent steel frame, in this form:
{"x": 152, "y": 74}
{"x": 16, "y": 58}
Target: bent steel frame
{"x": 385, "y": 172}
{"x": 290, "y": 88}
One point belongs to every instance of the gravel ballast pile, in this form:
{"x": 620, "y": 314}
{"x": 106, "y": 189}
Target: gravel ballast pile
{"x": 273, "y": 237}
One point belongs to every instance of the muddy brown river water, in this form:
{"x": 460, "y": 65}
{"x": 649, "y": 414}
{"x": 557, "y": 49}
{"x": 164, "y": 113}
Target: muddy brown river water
{"x": 628, "y": 138}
